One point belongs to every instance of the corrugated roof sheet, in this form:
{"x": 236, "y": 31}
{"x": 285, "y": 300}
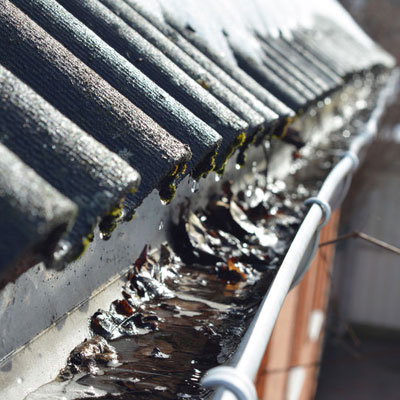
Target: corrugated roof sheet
{"x": 32, "y": 212}
{"x": 70, "y": 160}
{"x": 95, "y": 93}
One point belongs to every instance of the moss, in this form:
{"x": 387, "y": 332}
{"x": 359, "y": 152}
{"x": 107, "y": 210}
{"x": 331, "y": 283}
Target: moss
{"x": 204, "y": 167}
{"x": 289, "y": 135}
{"x": 128, "y": 215}
{"x": 183, "y": 170}
{"x": 167, "y": 188}
{"x": 110, "y": 221}
{"x": 80, "y": 250}
{"x": 241, "y": 158}
{"x": 175, "y": 171}
{"x": 204, "y": 84}
{"x": 167, "y": 193}
{"x": 85, "y": 244}
{"x": 237, "y": 143}
{"x": 285, "y": 127}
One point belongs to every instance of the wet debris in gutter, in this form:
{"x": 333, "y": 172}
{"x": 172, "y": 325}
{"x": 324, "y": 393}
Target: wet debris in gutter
{"x": 88, "y": 356}
{"x": 185, "y": 307}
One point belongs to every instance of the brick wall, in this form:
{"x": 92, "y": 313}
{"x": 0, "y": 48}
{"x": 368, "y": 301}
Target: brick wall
{"x": 291, "y": 363}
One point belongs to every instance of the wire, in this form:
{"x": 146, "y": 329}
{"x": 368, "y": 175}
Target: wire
{"x": 363, "y": 236}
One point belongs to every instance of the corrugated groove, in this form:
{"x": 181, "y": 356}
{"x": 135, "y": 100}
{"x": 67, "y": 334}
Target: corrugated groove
{"x": 310, "y": 77}
{"x": 154, "y": 92}
{"x": 70, "y": 160}
{"x": 308, "y": 53}
{"x": 127, "y": 79}
{"x": 292, "y": 96}
{"x": 160, "y": 69}
{"x": 83, "y": 96}
{"x": 339, "y": 65}
{"x": 236, "y": 73}
{"x": 175, "y": 37}
{"x": 32, "y": 213}
{"x": 290, "y": 75}
{"x": 302, "y": 41}
{"x": 310, "y": 65}
{"x": 187, "y": 64}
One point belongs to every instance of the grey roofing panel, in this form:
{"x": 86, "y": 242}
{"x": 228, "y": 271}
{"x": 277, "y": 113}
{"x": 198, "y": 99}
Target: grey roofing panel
{"x": 84, "y": 97}
{"x": 300, "y": 69}
{"x": 160, "y": 69}
{"x": 339, "y": 45}
{"x": 300, "y": 55}
{"x": 252, "y": 60}
{"x": 291, "y": 76}
{"x": 186, "y": 63}
{"x": 274, "y": 83}
{"x": 383, "y": 58}
{"x": 175, "y": 37}
{"x": 126, "y": 78}
{"x": 339, "y": 62}
{"x": 359, "y": 54}
{"x": 244, "y": 79}
{"x": 302, "y": 41}
{"x": 33, "y": 214}
{"x": 70, "y": 160}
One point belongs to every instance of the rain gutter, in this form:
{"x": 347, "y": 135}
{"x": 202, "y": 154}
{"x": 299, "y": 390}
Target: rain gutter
{"x": 236, "y": 381}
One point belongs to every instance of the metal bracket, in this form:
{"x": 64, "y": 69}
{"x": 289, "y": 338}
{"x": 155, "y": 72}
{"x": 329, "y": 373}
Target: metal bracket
{"x": 313, "y": 246}
{"x": 231, "y": 379}
{"x": 354, "y": 158}
{"x": 325, "y": 208}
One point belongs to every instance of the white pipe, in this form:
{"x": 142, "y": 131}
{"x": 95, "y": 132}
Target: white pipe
{"x": 247, "y": 359}
{"x": 264, "y": 320}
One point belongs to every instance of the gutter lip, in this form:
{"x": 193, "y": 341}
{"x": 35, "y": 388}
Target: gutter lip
{"x": 248, "y": 356}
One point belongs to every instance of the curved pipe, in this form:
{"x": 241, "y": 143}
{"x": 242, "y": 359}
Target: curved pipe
{"x": 250, "y": 352}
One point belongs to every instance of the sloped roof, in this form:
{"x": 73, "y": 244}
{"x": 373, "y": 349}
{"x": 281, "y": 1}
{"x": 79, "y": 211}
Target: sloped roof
{"x": 95, "y": 93}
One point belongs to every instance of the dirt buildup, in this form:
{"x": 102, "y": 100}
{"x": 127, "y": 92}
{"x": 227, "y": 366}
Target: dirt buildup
{"x": 89, "y": 356}
{"x": 185, "y": 307}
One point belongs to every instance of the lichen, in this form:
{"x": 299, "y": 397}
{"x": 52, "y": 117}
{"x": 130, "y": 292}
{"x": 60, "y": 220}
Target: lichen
{"x": 204, "y": 167}
{"x": 204, "y": 84}
{"x": 167, "y": 192}
{"x": 281, "y": 133}
{"x": 110, "y": 221}
{"x": 167, "y": 188}
{"x": 130, "y": 217}
{"x": 241, "y": 158}
{"x": 239, "y": 140}
{"x": 80, "y": 250}
{"x": 183, "y": 170}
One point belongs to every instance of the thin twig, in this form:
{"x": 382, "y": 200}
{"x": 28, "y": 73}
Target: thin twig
{"x": 364, "y": 236}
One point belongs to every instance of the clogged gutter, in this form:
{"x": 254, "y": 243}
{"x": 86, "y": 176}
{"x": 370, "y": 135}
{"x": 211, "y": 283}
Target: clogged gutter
{"x": 185, "y": 307}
